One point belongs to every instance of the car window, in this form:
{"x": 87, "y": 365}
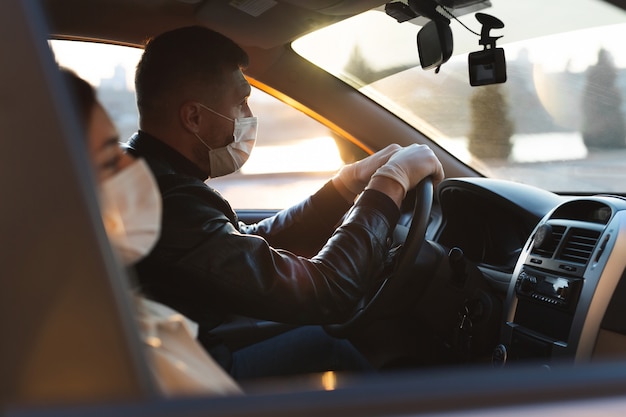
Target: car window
{"x": 294, "y": 155}
{"x": 559, "y": 120}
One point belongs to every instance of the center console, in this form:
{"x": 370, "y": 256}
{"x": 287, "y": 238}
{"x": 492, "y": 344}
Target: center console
{"x": 564, "y": 284}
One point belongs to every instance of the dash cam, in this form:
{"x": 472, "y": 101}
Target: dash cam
{"x": 487, "y": 67}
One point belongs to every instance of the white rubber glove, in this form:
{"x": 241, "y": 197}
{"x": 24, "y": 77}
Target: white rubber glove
{"x": 357, "y": 175}
{"x": 410, "y": 165}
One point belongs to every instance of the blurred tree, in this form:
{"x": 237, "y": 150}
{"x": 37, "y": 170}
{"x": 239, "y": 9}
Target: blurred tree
{"x": 602, "y": 122}
{"x": 361, "y": 73}
{"x": 491, "y": 127}
{"x": 358, "y": 68}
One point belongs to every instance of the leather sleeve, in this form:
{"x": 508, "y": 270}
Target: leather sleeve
{"x": 204, "y": 266}
{"x": 305, "y": 227}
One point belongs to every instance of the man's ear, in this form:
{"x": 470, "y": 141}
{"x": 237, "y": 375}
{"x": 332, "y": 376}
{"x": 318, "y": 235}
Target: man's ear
{"x": 190, "y": 116}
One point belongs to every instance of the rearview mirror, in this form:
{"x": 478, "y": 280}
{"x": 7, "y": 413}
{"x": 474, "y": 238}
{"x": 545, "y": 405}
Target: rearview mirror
{"x": 434, "y": 44}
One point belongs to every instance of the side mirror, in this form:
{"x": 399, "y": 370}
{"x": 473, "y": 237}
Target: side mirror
{"x": 434, "y": 44}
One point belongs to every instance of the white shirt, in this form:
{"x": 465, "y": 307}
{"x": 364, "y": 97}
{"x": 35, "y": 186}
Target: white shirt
{"x": 179, "y": 363}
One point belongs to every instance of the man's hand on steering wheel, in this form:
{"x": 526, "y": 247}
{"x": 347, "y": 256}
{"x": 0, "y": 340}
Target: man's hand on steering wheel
{"x": 352, "y": 179}
{"x": 408, "y": 167}
{"x": 414, "y": 166}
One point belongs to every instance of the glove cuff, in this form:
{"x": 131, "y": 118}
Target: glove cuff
{"x": 395, "y": 173}
{"x": 348, "y": 179}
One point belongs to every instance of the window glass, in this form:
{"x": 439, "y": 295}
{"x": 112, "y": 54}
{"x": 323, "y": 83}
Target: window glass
{"x": 294, "y": 155}
{"x": 559, "y": 120}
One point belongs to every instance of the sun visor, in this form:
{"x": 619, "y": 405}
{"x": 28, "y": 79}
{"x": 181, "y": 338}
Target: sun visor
{"x": 337, "y": 8}
{"x": 270, "y": 23}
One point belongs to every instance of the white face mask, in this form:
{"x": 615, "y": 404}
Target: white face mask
{"x": 131, "y": 211}
{"x": 231, "y": 157}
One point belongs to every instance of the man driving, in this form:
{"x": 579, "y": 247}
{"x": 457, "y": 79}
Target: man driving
{"x": 195, "y": 124}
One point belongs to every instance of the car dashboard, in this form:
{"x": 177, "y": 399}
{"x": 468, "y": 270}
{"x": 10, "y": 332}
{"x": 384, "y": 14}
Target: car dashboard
{"x": 557, "y": 262}
{"x": 490, "y": 220}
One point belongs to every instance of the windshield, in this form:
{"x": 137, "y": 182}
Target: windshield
{"x": 558, "y": 122}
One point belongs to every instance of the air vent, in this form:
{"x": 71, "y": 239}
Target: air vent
{"x": 549, "y": 243}
{"x": 579, "y": 245}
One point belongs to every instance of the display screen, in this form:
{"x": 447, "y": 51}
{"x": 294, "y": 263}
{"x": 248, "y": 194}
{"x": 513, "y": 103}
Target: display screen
{"x": 556, "y": 287}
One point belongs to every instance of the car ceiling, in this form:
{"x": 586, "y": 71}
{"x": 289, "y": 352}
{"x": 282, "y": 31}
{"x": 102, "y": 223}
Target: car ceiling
{"x": 251, "y": 23}
{"x": 133, "y": 21}
{"x": 262, "y": 27}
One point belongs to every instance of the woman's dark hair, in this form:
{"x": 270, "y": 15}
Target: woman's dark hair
{"x": 83, "y": 94}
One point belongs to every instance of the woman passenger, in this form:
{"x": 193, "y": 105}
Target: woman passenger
{"x": 130, "y": 205}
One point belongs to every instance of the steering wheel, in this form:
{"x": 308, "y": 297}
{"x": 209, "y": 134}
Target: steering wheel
{"x": 403, "y": 266}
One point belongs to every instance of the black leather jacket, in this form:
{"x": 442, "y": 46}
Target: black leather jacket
{"x": 207, "y": 264}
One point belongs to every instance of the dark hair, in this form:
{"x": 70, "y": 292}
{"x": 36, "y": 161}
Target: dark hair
{"x": 193, "y": 55}
{"x": 83, "y": 94}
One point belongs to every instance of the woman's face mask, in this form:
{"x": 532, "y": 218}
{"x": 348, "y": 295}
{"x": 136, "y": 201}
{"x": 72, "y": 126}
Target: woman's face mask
{"x": 231, "y": 157}
{"x": 131, "y": 211}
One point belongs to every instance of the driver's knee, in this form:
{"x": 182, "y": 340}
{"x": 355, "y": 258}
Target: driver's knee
{"x": 307, "y": 349}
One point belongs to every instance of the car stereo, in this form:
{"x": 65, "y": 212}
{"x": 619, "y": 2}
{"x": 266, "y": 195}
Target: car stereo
{"x": 564, "y": 281}
{"x": 558, "y": 291}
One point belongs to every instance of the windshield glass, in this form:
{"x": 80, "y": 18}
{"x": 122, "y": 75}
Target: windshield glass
{"x": 558, "y": 122}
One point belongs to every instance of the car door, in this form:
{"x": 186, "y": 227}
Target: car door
{"x": 65, "y": 314}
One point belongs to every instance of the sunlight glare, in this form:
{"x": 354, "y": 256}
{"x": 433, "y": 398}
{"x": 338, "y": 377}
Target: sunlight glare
{"x": 329, "y": 381}
{"x": 323, "y": 48}
{"x": 308, "y": 155}
{"x": 80, "y": 57}
{"x": 554, "y": 147}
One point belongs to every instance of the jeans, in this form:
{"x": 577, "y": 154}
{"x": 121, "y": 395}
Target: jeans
{"x": 303, "y": 350}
